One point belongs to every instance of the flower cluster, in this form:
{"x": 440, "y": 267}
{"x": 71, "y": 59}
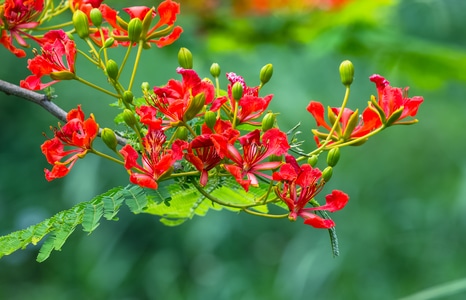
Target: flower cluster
{"x": 190, "y": 128}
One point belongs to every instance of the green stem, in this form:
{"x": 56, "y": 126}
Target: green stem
{"x": 57, "y": 26}
{"x": 96, "y": 87}
{"x": 256, "y": 213}
{"x": 223, "y": 203}
{"x": 123, "y": 63}
{"x": 106, "y": 156}
{"x": 136, "y": 64}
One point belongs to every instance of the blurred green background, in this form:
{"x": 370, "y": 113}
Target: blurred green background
{"x": 402, "y": 232}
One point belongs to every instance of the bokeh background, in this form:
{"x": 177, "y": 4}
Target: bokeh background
{"x": 403, "y": 232}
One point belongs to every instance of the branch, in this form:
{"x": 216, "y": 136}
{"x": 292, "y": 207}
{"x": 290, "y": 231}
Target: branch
{"x": 42, "y": 100}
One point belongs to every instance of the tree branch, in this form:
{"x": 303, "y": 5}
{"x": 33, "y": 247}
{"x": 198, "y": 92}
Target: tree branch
{"x": 42, "y": 100}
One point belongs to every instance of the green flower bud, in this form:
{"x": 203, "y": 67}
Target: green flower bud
{"x": 62, "y": 75}
{"x": 346, "y": 73}
{"x": 181, "y": 133}
{"x": 327, "y": 174}
{"x": 109, "y": 138}
{"x": 210, "y": 119}
{"x": 312, "y": 160}
{"x": 215, "y": 70}
{"x": 266, "y": 73}
{"x": 237, "y": 90}
{"x": 185, "y": 58}
{"x": 145, "y": 87}
{"x": 134, "y": 30}
{"x": 268, "y": 121}
{"x": 333, "y": 156}
{"x": 81, "y": 24}
{"x": 96, "y": 17}
{"x": 274, "y": 157}
{"x": 197, "y": 103}
{"x": 112, "y": 69}
{"x": 129, "y": 118}
{"x": 128, "y": 97}
{"x": 109, "y": 42}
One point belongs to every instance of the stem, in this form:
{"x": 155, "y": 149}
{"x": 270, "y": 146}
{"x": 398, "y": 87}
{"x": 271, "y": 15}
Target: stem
{"x": 123, "y": 63}
{"x": 43, "y": 101}
{"x": 136, "y": 63}
{"x": 96, "y": 87}
{"x": 218, "y": 201}
{"x": 256, "y": 213}
{"x": 57, "y": 26}
{"x": 107, "y": 156}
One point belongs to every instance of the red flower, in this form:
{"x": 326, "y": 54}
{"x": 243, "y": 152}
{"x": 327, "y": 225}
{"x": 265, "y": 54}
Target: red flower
{"x": 17, "y": 17}
{"x": 349, "y": 127}
{"x": 274, "y": 142}
{"x": 176, "y": 98}
{"x": 300, "y": 185}
{"x": 393, "y": 103}
{"x": 55, "y": 46}
{"x": 76, "y": 133}
{"x": 162, "y": 34}
{"x": 204, "y": 151}
{"x": 156, "y": 160}
{"x": 250, "y": 106}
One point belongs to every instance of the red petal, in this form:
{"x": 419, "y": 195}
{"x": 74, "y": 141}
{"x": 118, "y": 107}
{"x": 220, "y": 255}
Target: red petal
{"x": 317, "y": 110}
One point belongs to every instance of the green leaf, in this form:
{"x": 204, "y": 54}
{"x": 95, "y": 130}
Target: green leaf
{"x": 136, "y": 199}
{"x": 92, "y": 214}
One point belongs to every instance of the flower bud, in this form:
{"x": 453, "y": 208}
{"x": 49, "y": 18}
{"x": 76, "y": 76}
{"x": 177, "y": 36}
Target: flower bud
{"x": 210, "y": 119}
{"x": 274, "y": 157}
{"x": 237, "y": 90}
{"x": 129, "y": 118}
{"x": 145, "y": 87}
{"x": 346, "y": 73}
{"x": 128, "y": 97}
{"x": 112, "y": 69}
{"x": 197, "y": 103}
{"x": 268, "y": 121}
{"x": 134, "y": 30}
{"x": 185, "y": 58}
{"x": 327, "y": 174}
{"x": 62, "y": 75}
{"x": 312, "y": 160}
{"x": 181, "y": 133}
{"x": 109, "y": 42}
{"x": 109, "y": 138}
{"x": 333, "y": 156}
{"x": 215, "y": 70}
{"x": 81, "y": 24}
{"x": 96, "y": 17}
{"x": 266, "y": 73}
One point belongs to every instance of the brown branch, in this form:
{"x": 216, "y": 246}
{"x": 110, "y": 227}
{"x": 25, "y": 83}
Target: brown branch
{"x": 42, "y": 100}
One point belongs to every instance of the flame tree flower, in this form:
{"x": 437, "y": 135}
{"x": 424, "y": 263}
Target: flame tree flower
{"x": 56, "y": 45}
{"x": 16, "y": 18}
{"x": 250, "y": 106}
{"x": 393, "y": 103}
{"x": 350, "y": 126}
{"x": 298, "y": 185}
{"x": 78, "y": 134}
{"x": 274, "y": 142}
{"x": 163, "y": 33}
{"x": 180, "y": 101}
{"x": 157, "y": 160}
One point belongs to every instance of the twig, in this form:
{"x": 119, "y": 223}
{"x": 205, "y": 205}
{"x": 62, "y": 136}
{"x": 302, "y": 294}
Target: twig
{"x": 42, "y": 100}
